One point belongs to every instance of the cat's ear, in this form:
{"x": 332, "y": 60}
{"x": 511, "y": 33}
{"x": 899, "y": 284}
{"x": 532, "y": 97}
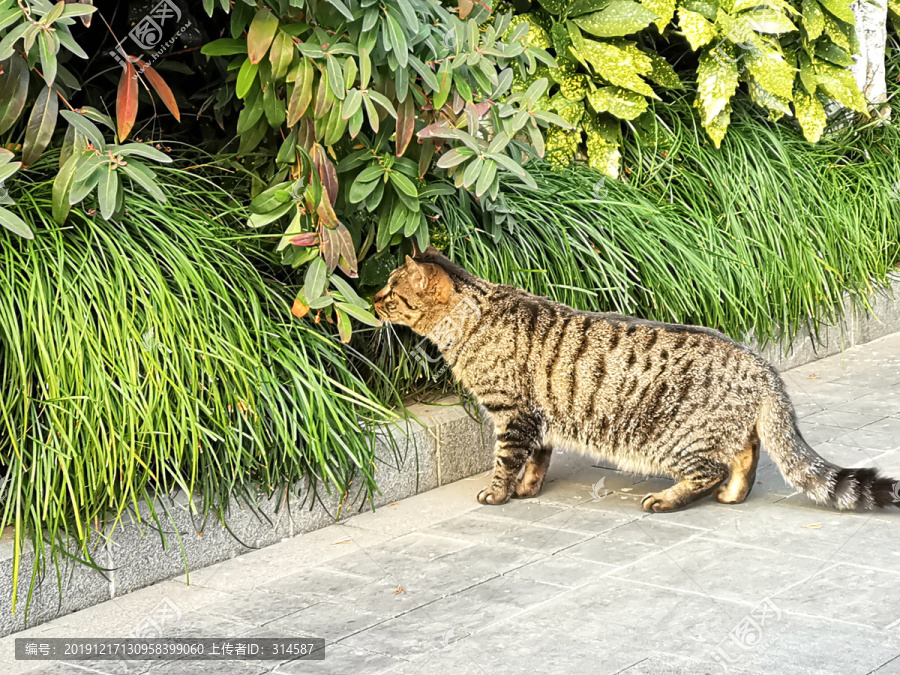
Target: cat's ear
{"x": 417, "y": 275}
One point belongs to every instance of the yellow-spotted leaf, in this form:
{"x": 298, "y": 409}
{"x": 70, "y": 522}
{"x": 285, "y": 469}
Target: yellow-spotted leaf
{"x": 840, "y": 9}
{"x": 620, "y": 17}
{"x": 698, "y": 30}
{"x": 767, "y": 20}
{"x": 777, "y": 106}
{"x": 839, "y": 84}
{"x": 664, "y": 10}
{"x": 842, "y": 34}
{"x": 624, "y": 104}
{"x": 717, "y": 126}
{"x": 603, "y": 136}
{"x": 717, "y": 80}
{"x": 663, "y": 73}
{"x": 810, "y": 114}
{"x": 773, "y": 73}
{"x": 813, "y": 19}
{"x": 618, "y": 66}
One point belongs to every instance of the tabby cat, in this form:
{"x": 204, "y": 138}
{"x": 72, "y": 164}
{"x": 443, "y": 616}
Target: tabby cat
{"x": 655, "y": 398}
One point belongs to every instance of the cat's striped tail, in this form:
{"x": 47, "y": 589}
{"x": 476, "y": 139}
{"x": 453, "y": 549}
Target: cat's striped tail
{"x": 806, "y": 470}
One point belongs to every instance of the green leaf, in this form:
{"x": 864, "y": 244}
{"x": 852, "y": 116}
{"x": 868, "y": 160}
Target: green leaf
{"x": 141, "y": 150}
{"x": 245, "y": 78}
{"x": 486, "y": 177}
{"x": 107, "y": 190}
{"x": 398, "y": 40}
{"x": 13, "y": 92}
{"x": 224, "y": 47}
{"x": 510, "y": 165}
{"x": 620, "y": 17}
{"x": 281, "y": 54}
{"x": 14, "y": 224}
{"x": 358, "y": 313}
{"x": 62, "y": 184}
{"x": 621, "y": 66}
{"x": 144, "y": 176}
{"x": 425, "y": 72}
{"x": 359, "y": 190}
{"x": 335, "y": 76}
{"x": 345, "y": 330}
{"x": 348, "y": 293}
{"x": 840, "y": 85}
{"x": 48, "y": 57}
{"x": 404, "y": 184}
{"x": 342, "y": 8}
{"x": 8, "y": 43}
{"x": 314, "y": 281}
{"x": 41, "y": 124}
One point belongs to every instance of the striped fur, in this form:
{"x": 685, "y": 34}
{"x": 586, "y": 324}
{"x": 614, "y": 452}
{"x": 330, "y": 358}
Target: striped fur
{"x": 655, "y": 398}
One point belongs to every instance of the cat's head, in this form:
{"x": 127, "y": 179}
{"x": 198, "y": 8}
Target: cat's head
{"x": 418, "y": 294}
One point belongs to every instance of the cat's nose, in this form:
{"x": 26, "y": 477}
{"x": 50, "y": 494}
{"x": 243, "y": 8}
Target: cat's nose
{"x": 380, "y": 294}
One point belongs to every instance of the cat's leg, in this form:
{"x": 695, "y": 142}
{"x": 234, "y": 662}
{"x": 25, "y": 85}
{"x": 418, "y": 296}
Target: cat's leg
{"x": 696, "y": 480}
{"x": 743, "y": 473}
{"x": 518, "y": 437}
{"x": 535, "y": 470}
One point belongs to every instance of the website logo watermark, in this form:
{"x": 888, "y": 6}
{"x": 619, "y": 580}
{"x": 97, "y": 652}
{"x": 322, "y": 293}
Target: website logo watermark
{"x": 446, "y": 334}
{"x": 747, "y": 634}
{"x": 148, "y": 34}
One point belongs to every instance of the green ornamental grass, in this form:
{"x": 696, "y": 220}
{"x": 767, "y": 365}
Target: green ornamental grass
{"x": 152, "y": 354}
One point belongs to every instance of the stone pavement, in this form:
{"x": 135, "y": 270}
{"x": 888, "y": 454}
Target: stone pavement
{"x": 579, "y": 580}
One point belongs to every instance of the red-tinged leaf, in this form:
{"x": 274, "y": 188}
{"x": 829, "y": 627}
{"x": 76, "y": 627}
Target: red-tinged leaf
{"x": 425, "y": 157}
{"x": 432, "y": 129}
{"x": 406, "y": 124}
{"x": 465, "y": 7}
{"x": 300, "y": 308}
{"x": 306, "y": 239}
{"x": 326, "y": 171}
{"x": 344, "y": 328}
{"x": 162, "y": 89}
{"x": 261, "y": 33}
{"x": 326, "y": 214}
{"x": 126, "y": 101}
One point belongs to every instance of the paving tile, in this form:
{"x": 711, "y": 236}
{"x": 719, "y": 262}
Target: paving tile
{"x": 526, "y": 510}
{"x": 793, "y": 531}
{"x": 258, "y": 607}
{"x": 425, "y": 546}
{"x": 845, "y": 592}
{"x": 721, "y": 570}
{"x": 544, "y": 540}
{"x": 616, "y": 552}
{"x": 329, "y": 620}
{"x": 561, "y": 570}
{"x": 588, "y": 520}
{"x": 492, "y": 558}
{"x": 840, "y": 418}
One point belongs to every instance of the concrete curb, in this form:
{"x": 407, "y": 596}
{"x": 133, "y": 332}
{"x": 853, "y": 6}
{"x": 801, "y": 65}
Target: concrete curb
{"x": 446, "y": 444}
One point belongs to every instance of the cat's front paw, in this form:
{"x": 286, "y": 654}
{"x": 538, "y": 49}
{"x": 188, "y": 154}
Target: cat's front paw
{"x": 493, "y": 495}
